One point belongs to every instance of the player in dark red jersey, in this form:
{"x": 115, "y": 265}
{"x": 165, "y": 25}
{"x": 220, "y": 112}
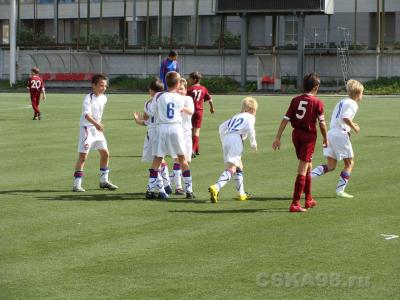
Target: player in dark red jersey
{"x": 303, "y": 113}
{"x": 199, "y": 95}
{"x": 35, "y": 85}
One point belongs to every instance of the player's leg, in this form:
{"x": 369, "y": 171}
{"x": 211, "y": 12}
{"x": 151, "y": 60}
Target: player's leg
{"x": 239, "y": 178}
{"x": 78, "y": 174}
{"x": 165, "y": 177}
{"x": 324, "y": 168}
{"x": 344, "y": 178}
{"x": 310, "y": 202}
{"x": 224, "y": 178}
{"x": 187, "y": 177}
{"x": 155, "y": 180}
{"x": 299, "y": 186}
{"x": 175, "y": 177}
{"x": 105, "y": 183}
{"x": 195, "y": 141}
{"x": 35, "y": 107}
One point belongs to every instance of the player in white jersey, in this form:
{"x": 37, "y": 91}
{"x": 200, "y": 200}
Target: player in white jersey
{"x": 232, "y": 133}
{"x": 91, "y": 134}
{"x": 339, "y": 146}
{"x": 155, "y": 87}
{"x": 176, "y": 174}
{"x": 167, "y": 109}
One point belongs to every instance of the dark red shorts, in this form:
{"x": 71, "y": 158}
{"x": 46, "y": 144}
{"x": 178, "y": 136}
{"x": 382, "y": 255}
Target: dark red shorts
{"x": 304, "y": 143}
{"x": 197, "y": 118}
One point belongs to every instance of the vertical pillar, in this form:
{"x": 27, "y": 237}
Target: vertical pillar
{"x": 55, "y": 22}
{"x": 134, "y": 24}
{"x": 300, "y": 50}
{"x": 13, "y": 41}
{"x": 243, "y": 52}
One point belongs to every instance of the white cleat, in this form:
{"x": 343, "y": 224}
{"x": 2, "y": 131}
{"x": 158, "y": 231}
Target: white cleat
{"x": 343, "y": 194}
{"x": 108, "y": 185}
{"x": 78, "y": 189}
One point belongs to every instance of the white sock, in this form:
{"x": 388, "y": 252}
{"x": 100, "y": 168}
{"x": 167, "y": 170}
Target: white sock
{"x": 165, "y": 174}
{"x": 223, "y": 179}
{"x": 343, "y": 181}
{"x": 104, "y": 174}
{"x": 176, "y": 175}
{"x": 152, "y": 183}
{"x": 187, "y": 180}
{"x": 78, "y": 175}
{"x": 239, "y": 182}
{"x": 319, "y": 171}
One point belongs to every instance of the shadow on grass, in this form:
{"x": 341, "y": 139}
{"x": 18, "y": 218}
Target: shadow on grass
{"x": 17, "y": 192}
{"x": 233, "y": 211}
{"x": 114, "y": 197}
{"x": 382, "y": 136}
{"x": 125, "y": 156}
{"x": 283, "y": 198}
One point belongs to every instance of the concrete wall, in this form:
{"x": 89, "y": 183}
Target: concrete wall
{"x": 363, "y": 66}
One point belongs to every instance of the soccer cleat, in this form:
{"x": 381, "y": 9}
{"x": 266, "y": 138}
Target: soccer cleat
{"x": 310, "y": 203}
{"x": 193, "y": 155}
{"x": 108, "y": 185}
{"x": 190, "y": 195}
{"x": 197, "y": 153}
{"x": 213, "y": 193}
{"x": 78, "y": 189}
{"x": 343, "y": 194}
{"x": 168, "y": 190}
{"x": 163, "y": 196}
{"x": 297, "y": 208}
{"x": 34, "y": 118}
{"x": 244, "y": 197}
{"x": 150, "y": 195}
{"x": 179, "y": 192}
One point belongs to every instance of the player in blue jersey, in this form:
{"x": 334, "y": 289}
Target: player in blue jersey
{"x": 169, "y": 64}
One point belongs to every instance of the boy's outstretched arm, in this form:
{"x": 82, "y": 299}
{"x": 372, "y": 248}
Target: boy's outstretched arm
{"x": 212, "y": 110}
{"x": 322, "y": 127}
{"x": 352, "y": 125}
{"x": 277, "y": 142}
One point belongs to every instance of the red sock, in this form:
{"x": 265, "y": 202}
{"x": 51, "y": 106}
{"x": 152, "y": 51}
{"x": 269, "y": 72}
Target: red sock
{"x": 195, "y": 144}
{"x": 307, "y": 187}
{"x": 298, "y": 189}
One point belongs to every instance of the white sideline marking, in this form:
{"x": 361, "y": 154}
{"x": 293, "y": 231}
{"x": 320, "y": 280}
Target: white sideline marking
{"x": 389, "y": 236}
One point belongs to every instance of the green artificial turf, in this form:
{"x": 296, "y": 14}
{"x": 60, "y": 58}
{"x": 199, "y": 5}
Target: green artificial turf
{"x": 56, "y": 244}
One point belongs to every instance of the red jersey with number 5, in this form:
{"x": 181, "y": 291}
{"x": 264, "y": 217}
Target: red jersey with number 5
{"x": 35, "y": 85}
{"x": 199, "y": 94}
{"x": 304, "y": 111}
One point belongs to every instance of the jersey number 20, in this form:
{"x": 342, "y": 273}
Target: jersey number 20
{"x": 35, "y": 84}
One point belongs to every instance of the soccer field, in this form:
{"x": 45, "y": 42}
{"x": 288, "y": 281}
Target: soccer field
{"x": 56, "y": 244}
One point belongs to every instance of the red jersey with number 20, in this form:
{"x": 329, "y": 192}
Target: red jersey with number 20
{"x": 199, "y": 94}
{"x": 304, "y": 111}
{"x": 35, "y": 85}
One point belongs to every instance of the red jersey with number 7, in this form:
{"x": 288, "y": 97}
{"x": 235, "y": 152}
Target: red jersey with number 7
{"x": 199, "y": 94}
{"x": 35, "y": 85}
{"x": 304, "y": 111}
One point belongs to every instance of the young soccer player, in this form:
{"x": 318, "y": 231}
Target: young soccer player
{"x": 304, "y": 111}
{"x": 199, "y": 95}
{"x": 167, "y": 108}
{"x": 91, "y": 134}
{"x": 169, "y": 64}
{"x": 156, "y": 87}
{"x": 340, "y": 147}
{"x": 35, "y": 85}
{"x": 232, "y": 133}
{"x": 187, "y": 132}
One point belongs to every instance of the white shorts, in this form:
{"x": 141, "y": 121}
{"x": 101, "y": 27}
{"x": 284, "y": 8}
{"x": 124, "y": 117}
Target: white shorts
{"x": 149, "y": 144}
{"x": 232, "y": 146}
{"x": 188, "y": 144}
{"x": 339, "y": 146}
{"x": 91, "y": 139}
{"x": 169, "y": 140}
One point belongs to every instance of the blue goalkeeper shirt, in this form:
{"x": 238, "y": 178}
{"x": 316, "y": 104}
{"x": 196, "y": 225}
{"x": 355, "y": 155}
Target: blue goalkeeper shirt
{"x": 168, "y": 65}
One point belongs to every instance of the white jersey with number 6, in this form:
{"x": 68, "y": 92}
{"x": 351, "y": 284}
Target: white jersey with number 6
{"x": 166, "y": 108}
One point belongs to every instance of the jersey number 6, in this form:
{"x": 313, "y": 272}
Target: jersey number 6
{"x": 170, "y": 110}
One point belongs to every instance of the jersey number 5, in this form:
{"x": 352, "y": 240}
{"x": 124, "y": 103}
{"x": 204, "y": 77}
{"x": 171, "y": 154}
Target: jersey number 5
{"x": 197, "y": 95}
{"x": 302, "y": 109}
